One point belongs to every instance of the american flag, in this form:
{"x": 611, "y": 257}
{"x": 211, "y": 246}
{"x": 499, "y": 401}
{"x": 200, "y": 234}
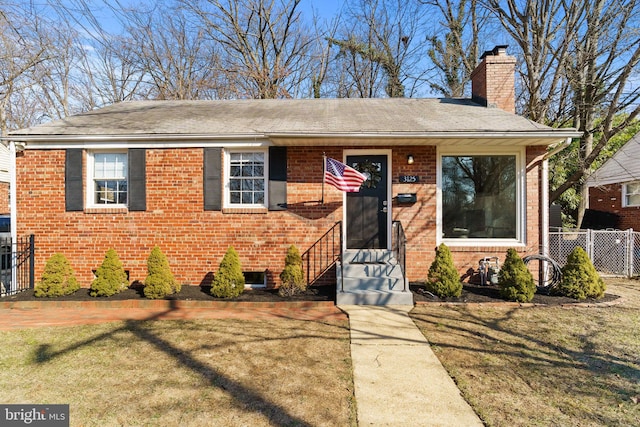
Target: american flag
{"x": 343, "y": 177}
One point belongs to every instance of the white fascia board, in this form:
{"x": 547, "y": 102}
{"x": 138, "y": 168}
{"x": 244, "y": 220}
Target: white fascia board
{"x": 95, "y": 142}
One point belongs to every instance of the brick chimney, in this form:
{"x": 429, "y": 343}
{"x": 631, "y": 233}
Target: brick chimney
{"x": 493, "y": 80}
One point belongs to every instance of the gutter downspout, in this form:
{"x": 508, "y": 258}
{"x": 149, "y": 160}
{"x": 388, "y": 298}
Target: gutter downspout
{"x": 544, "y": 196}
{"x": 13, "y": 208}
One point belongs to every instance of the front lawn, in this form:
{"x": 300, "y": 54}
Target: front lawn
{"x": 186, "y": 373}
{"x": 543, "y": 365}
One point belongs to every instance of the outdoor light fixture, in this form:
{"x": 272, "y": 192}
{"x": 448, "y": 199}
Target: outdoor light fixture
{"x": 410, "y": 159}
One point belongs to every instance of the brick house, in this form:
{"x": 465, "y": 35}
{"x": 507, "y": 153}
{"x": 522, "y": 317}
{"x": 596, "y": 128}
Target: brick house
{"x": 614, "y": 188}
{"x": 196, "y": 177}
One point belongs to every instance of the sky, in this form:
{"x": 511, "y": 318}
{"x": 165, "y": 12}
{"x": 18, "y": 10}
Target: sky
{"x": 324, "y": 9}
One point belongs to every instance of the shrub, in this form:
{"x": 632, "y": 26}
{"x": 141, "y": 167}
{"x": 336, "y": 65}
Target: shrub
{"x": 159, "y": 281}
{"x": 580, "y": 279}
{"x": 58, "y": 278}
{"x": 443, "y": 279}
{"x": 515, "y": 280}
{"x": 228, "y": 282}
{"x": 292, "y": 276}
{"x": 110, "y": 277}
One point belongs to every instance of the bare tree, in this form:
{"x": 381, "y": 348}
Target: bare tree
{"x": 111, "y": 73}
{"x": 579, "y": 61}
{"x": 605, "y": 60}
{"x": 542, "y": 29}
{"x": 454, "y": 54}
{"x": 21, "y": 50}
{"x": 58, "y": 79}
{"x": 264, "y": 44}
{"x": 175, "y": 58}
{"x": 378, "y": 48}
{"x": 320, "y": 64}
{"x": 106, "y": 69}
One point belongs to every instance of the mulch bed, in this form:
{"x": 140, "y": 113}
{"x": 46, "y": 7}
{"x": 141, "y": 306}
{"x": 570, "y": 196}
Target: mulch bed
{"x": 471, "y": 293}
{"x": 190, "y": 293}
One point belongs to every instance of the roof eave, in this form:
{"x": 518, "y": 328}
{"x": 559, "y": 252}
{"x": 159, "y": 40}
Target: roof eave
{"x": 521, "y": 138}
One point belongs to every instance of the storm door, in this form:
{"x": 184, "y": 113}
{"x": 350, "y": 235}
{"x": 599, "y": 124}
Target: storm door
{"x": 367, "y": 211}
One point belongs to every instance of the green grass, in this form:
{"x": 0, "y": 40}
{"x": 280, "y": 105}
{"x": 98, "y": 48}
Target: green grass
{"x": 187, "y": 373}
{"x": 543, "y": 365}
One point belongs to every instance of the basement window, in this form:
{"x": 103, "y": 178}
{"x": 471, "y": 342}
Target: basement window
{"x": 255, "y": 279}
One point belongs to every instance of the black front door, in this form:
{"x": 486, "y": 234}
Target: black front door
{"x": 367, "y": 210}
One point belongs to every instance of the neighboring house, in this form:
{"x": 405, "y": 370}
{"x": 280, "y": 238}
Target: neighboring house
{"x": 615, "y": 186}
{"x": 196, "y": 177}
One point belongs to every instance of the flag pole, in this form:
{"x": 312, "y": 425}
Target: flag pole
{"x": 324, "y": 170}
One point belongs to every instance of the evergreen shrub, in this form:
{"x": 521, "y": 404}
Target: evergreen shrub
{"x": 580, "y": 279}
{"x": 443, "y": 279}
{"x": 58, "y": 278}
{"x": 159, "y": 282}
{"x": 228, "y": 282}
{"x": 515, "y": 280}
{"x": 292, "y": 276}
{"x": 110, "y": 277}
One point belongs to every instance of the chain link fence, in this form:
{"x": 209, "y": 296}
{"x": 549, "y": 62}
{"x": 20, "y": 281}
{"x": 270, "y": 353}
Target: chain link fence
{"x": 612, "y": 252}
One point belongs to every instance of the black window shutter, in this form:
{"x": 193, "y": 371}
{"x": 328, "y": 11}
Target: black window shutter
{"x": 277, "y": 178}
{"x": 212, "y": 170}
{"x": 137, "y": 179}
{"x": 73, "y": 180}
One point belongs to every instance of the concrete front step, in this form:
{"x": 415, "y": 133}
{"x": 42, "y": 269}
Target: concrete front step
{"x": 371, "y": 277}
{"x": 371, "y": 270}
{"x": 374, "y": 297}
{"x": 373, "y": 283}
{"x": 377, "y": 256}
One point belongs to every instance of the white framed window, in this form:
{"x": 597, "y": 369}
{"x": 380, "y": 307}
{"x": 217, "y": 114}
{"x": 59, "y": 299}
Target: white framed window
{"x": 481, "y": 197}
{"x": 107, "y": 181}
{"x": 246, "y": 179}
{"x": 631, "y": 194}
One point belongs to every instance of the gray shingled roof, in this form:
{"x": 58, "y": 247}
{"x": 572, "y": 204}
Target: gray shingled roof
{"x": 281, "y": 120}
{"x": 623, "y": 166}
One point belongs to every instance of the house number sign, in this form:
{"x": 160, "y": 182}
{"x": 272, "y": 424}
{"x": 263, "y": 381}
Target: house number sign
{"x": 409, "y": 178}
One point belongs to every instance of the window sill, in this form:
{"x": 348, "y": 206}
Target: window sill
{"x": 469, "y": 245}
{"x": 108, "y": 210}
{"x": 245, "y": 210}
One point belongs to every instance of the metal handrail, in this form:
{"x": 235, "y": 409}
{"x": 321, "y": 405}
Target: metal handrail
{"x": 324, "y": 253}
{"x": 399, "y": 248}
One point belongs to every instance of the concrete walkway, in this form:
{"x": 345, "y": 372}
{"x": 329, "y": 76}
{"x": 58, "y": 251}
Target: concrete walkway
{"x": 398, "y": 379}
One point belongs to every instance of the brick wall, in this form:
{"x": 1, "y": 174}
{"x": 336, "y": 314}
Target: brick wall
{"x": 608, "y": 198}
{"x": 195, "y": 240}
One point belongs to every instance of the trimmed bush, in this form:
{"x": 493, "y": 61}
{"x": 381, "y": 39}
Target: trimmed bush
{"x": 515, "y": 280}
{"x": 110, "y": 277}
{"x": 443, "y": 279}
{"x": 159, "y": 282}
{"x": 228, "y": 282}
{"x": 58, "y": 278}
{"x": 580, "y": 279}
{"x": 292, "y": 276}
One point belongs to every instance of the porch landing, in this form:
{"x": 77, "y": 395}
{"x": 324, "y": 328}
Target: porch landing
{"x": 371, "y": 277}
